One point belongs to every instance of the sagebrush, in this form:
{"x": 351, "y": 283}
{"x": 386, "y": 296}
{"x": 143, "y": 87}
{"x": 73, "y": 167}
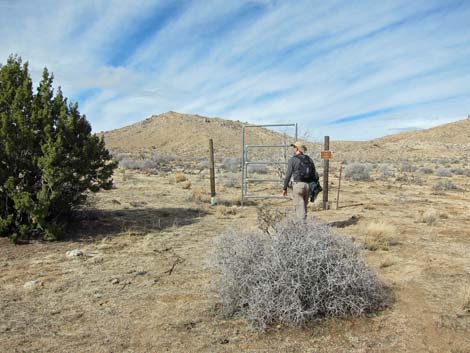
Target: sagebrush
{"x": 300, "y": 272}
{"x": 357, "y": 172}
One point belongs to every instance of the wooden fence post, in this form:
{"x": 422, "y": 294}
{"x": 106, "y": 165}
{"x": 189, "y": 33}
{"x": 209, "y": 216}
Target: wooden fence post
{"x": 212, "y": 171}
{"x": 326, "y": 167}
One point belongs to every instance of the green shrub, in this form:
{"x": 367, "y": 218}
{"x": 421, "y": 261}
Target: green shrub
{"x": 49, "y": 157}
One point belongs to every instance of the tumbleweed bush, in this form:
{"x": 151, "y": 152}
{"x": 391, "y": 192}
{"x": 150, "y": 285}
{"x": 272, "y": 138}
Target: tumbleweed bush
{"x": 300, "y": 272}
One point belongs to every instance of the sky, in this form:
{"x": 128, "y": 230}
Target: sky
{"x": 353, "y": 70}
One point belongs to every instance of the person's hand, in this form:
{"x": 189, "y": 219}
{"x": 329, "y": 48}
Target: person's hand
{"x": 284, "y": 192}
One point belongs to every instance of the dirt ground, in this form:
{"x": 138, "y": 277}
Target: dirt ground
{"x": 143, "y": 281}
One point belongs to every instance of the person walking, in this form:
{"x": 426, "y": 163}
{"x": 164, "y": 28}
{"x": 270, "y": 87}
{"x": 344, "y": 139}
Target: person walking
{"x": 302, "y": 169}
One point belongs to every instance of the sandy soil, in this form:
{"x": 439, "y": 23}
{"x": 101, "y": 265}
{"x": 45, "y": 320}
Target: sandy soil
{"x": 143, "y": 281}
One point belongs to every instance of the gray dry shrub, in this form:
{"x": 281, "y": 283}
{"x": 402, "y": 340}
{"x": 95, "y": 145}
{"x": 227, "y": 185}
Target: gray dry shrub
{"x": 460, "y": 171}
{"x": 407, "y": 167}
{"x": 204, "y": 164}
{"x": 231, "y": 164}
{"x": 385, "y": 171}
{"x": 258, "y": 169}
{"x": 267, "y": 217}
{"x": 231, "y": 180}
{"x": 152, "y": 161}
{"x": 426, "y": 170}
{"x": 118, "y": 156}
{"x": 129, "y": 163}
{"x": 409, "y": 179}
{"x": 443, "y": 172}
{"x": 300, "y": 272}
{"x": 442, "y": 185}
{"x": 357, "y": 171}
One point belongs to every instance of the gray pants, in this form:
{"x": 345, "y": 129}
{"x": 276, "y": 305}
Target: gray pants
{"x": 300, "y": 198}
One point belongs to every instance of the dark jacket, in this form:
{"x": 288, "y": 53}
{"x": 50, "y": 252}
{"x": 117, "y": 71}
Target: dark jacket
{"x": 293, "y": 170}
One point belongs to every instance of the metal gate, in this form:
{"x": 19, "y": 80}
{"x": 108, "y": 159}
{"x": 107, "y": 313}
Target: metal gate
{"x": 246, "y": 162}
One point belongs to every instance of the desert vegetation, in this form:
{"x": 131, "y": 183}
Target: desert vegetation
{"x": 136, "y": 270}
{"x": 49, "y": 157}
{"x": 357, "y": 172}
{"x": 298, "y": 272}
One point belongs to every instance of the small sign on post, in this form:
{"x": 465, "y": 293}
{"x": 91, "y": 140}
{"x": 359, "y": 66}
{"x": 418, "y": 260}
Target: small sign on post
{"x": 325, "y": 154}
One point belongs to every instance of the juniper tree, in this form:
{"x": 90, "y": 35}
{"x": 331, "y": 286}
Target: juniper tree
{"x": 49, "y": 157}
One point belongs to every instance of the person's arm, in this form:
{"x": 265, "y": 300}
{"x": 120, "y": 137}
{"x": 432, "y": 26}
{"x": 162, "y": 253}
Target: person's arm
{"x": 288, "y": 176}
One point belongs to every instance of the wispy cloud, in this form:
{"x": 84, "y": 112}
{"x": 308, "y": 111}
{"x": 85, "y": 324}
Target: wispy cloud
{"x": 353, "y": 70}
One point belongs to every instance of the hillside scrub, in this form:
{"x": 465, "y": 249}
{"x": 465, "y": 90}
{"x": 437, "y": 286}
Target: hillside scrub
{"x": 385, "y": 172}
{"x": 443, "y": 172}
{"x": 442, "y": 185}
{"x": 298, "y": 272}
{"x": 231, "y": 164}
{"x": 49, "y": 157}
{"x": 357, "y": 172}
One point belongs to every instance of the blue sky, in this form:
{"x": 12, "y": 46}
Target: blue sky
{"x": 353, "y": 70}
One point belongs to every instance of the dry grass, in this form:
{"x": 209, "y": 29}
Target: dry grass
{"x": 229, "y": 199}
{"x": 226, "y": 211}
{"x": 466, "y": 299}
{"x": 379, "y": 235}
{"x": 429, "y": 216}
{"x": 386, "y": 263}
{"x": 180, "y": 177}
{"x": 186, "y": 184}
{"x": 200, "y": 194}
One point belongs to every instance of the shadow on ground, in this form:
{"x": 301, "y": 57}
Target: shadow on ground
{"x": 92, "y": 224}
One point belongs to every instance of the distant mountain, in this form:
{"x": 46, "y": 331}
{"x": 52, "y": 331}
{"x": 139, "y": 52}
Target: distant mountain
{"x": 450, "y": 140}
{"x": 187, "y": 135}
{"x": 456, "y": 132}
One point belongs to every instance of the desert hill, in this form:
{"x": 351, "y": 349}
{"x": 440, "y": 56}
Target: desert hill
{"x": 457, "y": 132}
{"x": 187, "y": 135}
{"x": 447, "y": 141}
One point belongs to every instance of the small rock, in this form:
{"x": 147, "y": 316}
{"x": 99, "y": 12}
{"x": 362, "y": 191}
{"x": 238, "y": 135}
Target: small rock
{"x": 33, "y": 284}
{"x": 224, "y": 341}
{"x": 73, "y": 253}
{"x": 115, "y": 281}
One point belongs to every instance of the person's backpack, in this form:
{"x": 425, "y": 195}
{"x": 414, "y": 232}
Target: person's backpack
{"x": 306, "y": 171}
